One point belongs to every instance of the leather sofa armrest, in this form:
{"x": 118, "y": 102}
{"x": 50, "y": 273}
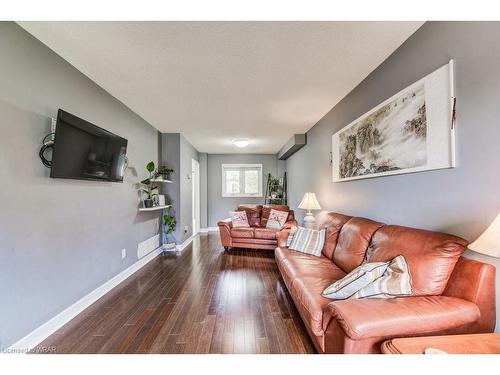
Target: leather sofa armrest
{"x": 282, "y": 235}
{"x": 225, "y": 232}
{"x": 406, "y": 316}
{"x": 289, "y": 224}
{"x": 225, "y": 223}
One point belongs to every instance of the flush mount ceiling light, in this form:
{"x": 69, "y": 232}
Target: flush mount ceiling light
{"x": 240, "y": 142}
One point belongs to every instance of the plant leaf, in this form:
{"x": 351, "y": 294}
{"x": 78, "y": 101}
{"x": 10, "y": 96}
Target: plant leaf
{"x": 146, "y": 181}
{"x": 150, "y": 167}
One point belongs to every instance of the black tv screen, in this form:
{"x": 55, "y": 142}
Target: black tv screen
{"x": 85, "y": 151}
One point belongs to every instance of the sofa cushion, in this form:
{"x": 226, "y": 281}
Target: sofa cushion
{"x": 353, "y": 241}
{"x": 254, "y": 212}
{"x": 255, "y": 241}
{"x": 306, "y": 292}
{"x": 333, "y": 223}
{"x": 266, "y": 233}
{"x": 298, "y": 264}
{"x": 431, "y": 256}
{"x": 242, "y": 233}
{"x": 388, "y": 318}
{"x": 266, "y": 210}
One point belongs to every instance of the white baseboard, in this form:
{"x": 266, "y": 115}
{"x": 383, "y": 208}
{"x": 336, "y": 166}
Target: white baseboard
{"x": 209, "y": 229}
{"x": 183, "y": 245}
{"x": 32, "y": 339}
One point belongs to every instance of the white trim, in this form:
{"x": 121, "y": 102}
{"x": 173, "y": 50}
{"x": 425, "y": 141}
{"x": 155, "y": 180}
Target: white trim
{"x": 209, "y": 229}
{"x": 45, "y": 330}
{"x": 183, "y": 245}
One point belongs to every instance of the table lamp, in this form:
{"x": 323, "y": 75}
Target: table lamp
{"x": 309, "y": 202}
{"x": 488, "y": 243}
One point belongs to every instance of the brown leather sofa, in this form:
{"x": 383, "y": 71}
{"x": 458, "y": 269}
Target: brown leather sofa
{"x": 451, "y": 294}
{"x": 257, "y": 236}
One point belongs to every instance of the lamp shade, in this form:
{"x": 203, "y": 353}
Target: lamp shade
{"x": 309, "y": 202}
{"x": 488, "y": 243}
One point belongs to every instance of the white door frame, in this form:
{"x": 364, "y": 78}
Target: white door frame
{"x": 195, "y": 188}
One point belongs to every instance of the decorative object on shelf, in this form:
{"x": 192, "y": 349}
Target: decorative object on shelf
{"x": 148, "y": 189}
{"x": 488, "y": 243}
{"x": 163, "y": 173}
{"x": 161, "y": 200}
{"x": 169, "y": 225}
{"x": 276, "y": 190}
{"x": 412, "y": 131}
{"x": 309, "y": 202}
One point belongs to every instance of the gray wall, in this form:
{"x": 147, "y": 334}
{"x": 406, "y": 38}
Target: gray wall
{"x": 188, "y": 153}
{"x": 462, "y": 201}
{"x": 60, "y": 239}
{"x": 219, "y": 207}
{"x": 171, "y": 157}
{"x": 177, "y": 153}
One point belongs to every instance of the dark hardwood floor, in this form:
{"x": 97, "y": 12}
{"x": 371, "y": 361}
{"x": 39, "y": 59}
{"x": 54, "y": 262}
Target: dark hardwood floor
{"x": 203, "y": 300}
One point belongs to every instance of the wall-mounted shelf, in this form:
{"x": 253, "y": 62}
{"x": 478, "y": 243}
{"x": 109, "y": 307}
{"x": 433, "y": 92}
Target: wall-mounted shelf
{"x": 159, "y": 180}
{"x": 155, "y": 208}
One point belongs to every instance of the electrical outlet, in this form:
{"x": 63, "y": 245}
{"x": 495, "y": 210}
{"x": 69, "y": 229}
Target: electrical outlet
{"x": 186, "y": 229}
{"x": 124, "y": 253}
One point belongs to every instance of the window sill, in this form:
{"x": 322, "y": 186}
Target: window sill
{"x": 241, "y": 196}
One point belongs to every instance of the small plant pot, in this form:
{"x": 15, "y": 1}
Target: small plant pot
{"x": 148, "y": 203}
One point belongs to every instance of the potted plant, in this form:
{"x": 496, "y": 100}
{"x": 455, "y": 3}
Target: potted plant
{"x": 164, "y": 172}
{"x": 169, "y": 224}
{"x": 148, "y": 189}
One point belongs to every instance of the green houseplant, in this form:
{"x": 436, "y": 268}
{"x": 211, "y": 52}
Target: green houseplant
{"x": 164, "y": 172}
{"x": 148, "y": 189}
{"x": 169, "y": 225}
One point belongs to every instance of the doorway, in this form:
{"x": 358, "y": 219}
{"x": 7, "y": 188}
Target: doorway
{"x": 195, "y": 171}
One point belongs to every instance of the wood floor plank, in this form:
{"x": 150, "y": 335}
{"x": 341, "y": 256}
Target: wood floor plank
{"x": 203, "y": 300}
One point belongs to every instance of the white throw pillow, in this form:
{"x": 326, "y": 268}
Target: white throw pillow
{"x": 355, "y": 280}
{"x": 239, "y": 219}
{"x": 309, "y": 241}
{"x": 276, "y": 219}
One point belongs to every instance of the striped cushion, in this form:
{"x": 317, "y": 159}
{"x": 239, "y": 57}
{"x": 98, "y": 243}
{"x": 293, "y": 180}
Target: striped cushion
{"x": 357, "y": 279}
{"x": 308, "y": 241}
{"x": 395, "y": 282}
{"x": 290, "y": 236}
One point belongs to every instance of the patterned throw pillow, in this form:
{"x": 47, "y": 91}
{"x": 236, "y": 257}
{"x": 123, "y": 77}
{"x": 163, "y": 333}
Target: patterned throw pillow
{"x": 357, "y": 279}
{"x": 309, "y": 241}
{"x": 276, "y": 219}
{"x": 395, "y": 282}
{"x": 239, "y": 219}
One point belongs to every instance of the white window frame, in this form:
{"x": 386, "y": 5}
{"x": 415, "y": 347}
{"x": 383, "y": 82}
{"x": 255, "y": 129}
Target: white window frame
{"x": 242, "y": 168}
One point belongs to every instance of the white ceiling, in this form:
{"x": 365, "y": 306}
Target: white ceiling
{"x": 216, "y": 81}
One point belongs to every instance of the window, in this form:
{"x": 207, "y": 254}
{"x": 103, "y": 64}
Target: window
{"x": 242, "y": 180}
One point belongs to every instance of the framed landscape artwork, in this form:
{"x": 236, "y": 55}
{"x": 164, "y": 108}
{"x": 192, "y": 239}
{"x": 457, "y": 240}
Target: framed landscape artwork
{"x": 410, "y": 132}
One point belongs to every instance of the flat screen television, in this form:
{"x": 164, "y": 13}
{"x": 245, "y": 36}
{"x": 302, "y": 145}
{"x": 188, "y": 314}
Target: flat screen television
{"x": 85, "y": 151}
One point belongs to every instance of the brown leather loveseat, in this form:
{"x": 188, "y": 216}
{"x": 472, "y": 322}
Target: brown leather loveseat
{"x": 257, "y": 236}
{"x": 451, "y": 294}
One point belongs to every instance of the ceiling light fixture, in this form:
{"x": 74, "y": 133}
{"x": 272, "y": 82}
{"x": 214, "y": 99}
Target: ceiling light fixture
{"x": 240, "y": 142}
